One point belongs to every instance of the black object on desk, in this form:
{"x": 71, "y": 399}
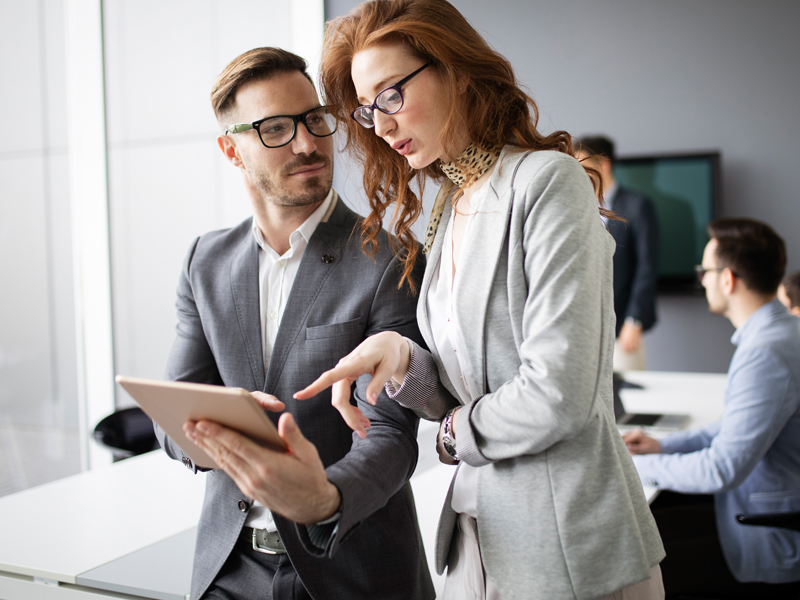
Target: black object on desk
{"x": 127, "y": 432}
{"x": 654, "y": 420}
{"x": 784, "y": 520}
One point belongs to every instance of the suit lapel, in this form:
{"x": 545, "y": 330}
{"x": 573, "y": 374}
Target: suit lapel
{"x": 244, "y": 288}
{"x": 320, "y": 259}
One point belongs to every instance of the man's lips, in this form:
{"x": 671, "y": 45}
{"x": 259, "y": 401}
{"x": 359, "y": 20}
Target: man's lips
{"x": 403, "y": 146}
{"x": 308, "y": 170}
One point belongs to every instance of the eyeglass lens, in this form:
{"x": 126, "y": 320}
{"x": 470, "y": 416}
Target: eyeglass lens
{"x": 279, "y": 131}
{"x": 389, "y": 101}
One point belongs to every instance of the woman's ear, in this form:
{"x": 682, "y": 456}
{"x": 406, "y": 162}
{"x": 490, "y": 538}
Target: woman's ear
{"x": 462, "y": 81}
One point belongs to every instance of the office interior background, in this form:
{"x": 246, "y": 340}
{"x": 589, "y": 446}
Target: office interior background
{"x": 109, "y": 167}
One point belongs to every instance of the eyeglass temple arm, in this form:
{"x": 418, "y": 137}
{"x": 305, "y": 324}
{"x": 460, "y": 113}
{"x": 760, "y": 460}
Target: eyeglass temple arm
{"x": 238, "y": 128}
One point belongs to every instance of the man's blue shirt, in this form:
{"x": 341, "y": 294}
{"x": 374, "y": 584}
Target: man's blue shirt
{"x": 749, "y": 459}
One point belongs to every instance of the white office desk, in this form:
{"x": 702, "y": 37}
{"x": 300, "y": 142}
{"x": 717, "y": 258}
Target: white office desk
{"x": 51, "y": 536}
{"x": 700, "y": 395}
{"x": 127, "y": 531}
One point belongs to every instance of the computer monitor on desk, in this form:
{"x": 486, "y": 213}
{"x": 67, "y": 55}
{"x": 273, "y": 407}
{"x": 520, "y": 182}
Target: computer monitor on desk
{"x": 650, "y": 421}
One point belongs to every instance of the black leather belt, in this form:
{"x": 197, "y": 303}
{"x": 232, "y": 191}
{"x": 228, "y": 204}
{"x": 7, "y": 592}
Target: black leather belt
{"x": 268, "y": 542}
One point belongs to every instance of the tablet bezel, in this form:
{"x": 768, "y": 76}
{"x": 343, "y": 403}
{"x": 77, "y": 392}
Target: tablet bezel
{"x": 173, "y": 403}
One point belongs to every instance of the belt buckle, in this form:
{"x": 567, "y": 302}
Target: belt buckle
{"x": 262, "y": 545}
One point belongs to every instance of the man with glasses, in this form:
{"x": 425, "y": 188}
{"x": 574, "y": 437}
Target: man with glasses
{"x": 268, "y": 306}
{"x": 749, "y": 460}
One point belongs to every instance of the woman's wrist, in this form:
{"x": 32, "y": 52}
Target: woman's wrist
{"x": 399, "y": 376}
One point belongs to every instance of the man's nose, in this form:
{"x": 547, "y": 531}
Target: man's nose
{"x": 303, "y": 142}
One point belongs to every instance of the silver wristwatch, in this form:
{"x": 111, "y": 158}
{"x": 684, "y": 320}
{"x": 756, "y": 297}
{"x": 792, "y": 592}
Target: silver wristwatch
{"x": 449, "y": 436}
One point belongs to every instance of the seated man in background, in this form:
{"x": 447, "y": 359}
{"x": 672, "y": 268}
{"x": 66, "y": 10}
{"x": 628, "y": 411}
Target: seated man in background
{"x": 789, "y": 293}
{"x": 750, "y": 459}
{"x": 635, "y": 259}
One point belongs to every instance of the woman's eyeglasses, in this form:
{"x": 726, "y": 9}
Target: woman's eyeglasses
{"x": 388, "y": 101}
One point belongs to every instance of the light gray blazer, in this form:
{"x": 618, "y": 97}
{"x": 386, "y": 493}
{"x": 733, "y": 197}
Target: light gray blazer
{"x": 561, "y": 511}
{"x": 339, "y": 297}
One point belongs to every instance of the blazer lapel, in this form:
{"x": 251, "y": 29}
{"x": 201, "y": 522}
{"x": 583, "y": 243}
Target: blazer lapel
{"x": 475, "y": 275}
{"x": 244, "y": 288}
{"x": 321, "y": 257}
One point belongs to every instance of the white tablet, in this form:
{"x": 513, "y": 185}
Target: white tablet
{"x": 173, "y": 403}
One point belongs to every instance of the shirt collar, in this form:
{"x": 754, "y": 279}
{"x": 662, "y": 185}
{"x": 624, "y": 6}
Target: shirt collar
{"x": 307, "y": 228}
{"x": 762, "y": 315}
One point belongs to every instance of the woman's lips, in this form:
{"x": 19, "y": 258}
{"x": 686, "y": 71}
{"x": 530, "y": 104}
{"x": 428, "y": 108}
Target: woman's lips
{"x": 403, "y": 147}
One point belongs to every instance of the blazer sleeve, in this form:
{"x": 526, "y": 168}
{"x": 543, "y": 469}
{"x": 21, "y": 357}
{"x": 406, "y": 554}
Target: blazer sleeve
{"x": 422, "y": 390}
{"x": 757, "y": 408}
{"x": 190, "y": 358}
{"x": 567, "y": 319}
{"x": 376, "y": 468}
{"x": 645, "y": 231}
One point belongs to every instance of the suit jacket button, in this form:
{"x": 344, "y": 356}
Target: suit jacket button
{"x": 242, "y": 505}
{"x": 327, "y": 259}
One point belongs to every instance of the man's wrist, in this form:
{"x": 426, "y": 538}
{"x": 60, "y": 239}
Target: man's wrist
{"x": 331, "y": 504}
{"x": 633, "y": 322}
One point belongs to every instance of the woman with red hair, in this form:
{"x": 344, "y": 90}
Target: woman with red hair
{"x": 515, "y": 307}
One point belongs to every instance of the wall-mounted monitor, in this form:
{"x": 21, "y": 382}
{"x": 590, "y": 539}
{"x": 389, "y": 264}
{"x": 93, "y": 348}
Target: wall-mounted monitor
{"x": 685, "y": 189}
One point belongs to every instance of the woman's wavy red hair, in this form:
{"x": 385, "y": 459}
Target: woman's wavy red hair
{"x": 493, "y": 108}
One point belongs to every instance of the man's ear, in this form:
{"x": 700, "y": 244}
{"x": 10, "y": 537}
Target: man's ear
{"x": 228, "y": 147}
{"x": 729, "y": 281}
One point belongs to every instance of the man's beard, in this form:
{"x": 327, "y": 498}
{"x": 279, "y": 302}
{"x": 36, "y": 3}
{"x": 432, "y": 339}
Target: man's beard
{"x": 313, "y": 191}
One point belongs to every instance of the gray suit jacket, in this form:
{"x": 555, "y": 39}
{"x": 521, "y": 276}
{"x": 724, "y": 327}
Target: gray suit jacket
{"x": 377, "y": 551}
{"x": 561, "y": 511}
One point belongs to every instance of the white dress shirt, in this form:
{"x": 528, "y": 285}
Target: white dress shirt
{"x": 451, "y": 346}
{"x": 276, "y": 274}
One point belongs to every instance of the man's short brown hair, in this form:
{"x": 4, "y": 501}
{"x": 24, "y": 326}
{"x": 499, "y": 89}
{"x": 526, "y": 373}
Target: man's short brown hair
{"x": 752, "y": 250}
{"x": 253, "y": 65}
{"x": 792, "y": 285}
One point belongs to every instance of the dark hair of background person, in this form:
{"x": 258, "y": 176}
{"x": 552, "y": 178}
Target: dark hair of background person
{"x": 254, "y": 65}
{"x": 494, "y": 109}
{"x": 792, "y": 284}
{"x": 752, "y": 250}
{"x": 597, "y": 145}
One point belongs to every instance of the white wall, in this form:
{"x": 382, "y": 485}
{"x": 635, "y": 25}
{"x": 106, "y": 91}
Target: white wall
{"x": 169, "y": 182}
{"x": 662, "y": 77}
{"x": 38, "y": 374}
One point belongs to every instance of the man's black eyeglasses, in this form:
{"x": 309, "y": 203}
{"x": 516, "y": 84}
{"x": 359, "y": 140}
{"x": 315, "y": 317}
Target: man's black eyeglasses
{"x": 279, "y": 130}
{"x": 388, "y": 101}
{"x": 701, "y": 271}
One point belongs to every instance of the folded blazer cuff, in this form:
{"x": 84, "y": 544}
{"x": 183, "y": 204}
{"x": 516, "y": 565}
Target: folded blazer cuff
{"x": 419, "y": 391}
{"x": 466, "y": 444}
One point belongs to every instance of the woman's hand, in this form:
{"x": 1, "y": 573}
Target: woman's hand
{"x": 385, "y": 356}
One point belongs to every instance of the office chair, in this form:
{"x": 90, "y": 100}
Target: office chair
{"x": 127, "y": 432}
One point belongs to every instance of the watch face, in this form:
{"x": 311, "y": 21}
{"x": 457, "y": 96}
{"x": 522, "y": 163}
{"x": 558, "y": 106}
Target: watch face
{"x": 448, "y": 445}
